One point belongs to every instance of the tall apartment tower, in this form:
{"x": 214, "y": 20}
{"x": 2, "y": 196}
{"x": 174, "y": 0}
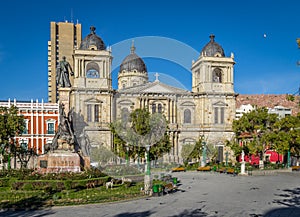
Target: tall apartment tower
{"x": 64, "y": 38}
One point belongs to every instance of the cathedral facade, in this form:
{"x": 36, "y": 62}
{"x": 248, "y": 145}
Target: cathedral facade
{"x": 206, "y": 111}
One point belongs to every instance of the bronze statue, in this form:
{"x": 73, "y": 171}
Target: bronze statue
{"x": 62, "y": 73}
{"x": 64, "y": 137}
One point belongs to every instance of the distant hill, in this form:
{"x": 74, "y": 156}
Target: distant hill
{"x": 269, "y": 101}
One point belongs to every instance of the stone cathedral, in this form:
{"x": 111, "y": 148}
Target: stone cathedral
{"x": 206, "y": 111}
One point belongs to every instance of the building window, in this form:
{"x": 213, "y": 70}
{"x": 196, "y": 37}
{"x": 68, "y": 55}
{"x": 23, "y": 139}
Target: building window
{"x": 220, "y": 154}
{"x": 25, "y": 131}
{"x": 187, "y": 116}
{"x": 50, "y": 128}
{"x": 89, "y": 113}
{"x": 153, "y": 108}
{"x": 92, "y": 70}
{"x": 219, "y": 115}
{"x": 24, "y": 144}
{"x": 93, "y": 113}
{"x": 96, "y": 113}
{"x": 217, "y": 75}
{"x": 216, "y": 115}
{"x": 159, "y": 108}
{"x": 124, "y": 115}
{"x": 222, "y": 115}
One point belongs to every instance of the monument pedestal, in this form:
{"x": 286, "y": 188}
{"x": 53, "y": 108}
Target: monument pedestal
{"x": 243, "y": 168}
{"x": 59, "y": 162}
{"x": 64, "y": 97}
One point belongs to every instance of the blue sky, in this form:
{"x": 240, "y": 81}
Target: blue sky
{"x": 264, "y": 65}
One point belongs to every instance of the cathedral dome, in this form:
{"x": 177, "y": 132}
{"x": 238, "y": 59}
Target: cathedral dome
{"x": 212, "y": 48}
{"x": 133, "y": 62}
{"x": 92, "y": 41}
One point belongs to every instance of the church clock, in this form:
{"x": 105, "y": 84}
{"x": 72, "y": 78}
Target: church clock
{"x": 92, "y": 73}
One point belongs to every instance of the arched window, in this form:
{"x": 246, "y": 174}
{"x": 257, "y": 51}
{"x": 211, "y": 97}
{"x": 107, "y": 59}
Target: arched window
{"x": 187, "y": 116}
{"x": 124, "y": 114}
{"x": 92, "y": 70}
{"x": 153, "y": 108}
{"x": 217, "y": 76}
{"x": 159, "y": 108}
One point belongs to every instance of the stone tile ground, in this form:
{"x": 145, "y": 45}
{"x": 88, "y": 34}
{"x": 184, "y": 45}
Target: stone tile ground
{"x": 202, "y": 194}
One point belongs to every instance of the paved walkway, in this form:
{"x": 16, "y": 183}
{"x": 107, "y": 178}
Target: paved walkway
{"x": 201, "y": 194}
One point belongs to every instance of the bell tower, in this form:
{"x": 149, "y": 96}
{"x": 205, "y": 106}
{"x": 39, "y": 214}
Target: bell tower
{"x": 213, "y": 88}
{"x": 91, "y": 94}
{"x": 213, "y": 72}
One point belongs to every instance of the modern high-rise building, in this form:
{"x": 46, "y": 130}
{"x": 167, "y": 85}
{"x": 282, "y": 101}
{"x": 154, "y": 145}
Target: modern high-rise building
{"x": 64, "y": 38}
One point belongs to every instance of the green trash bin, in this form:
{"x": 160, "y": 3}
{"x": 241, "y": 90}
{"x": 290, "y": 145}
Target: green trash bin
{"x": 155, "y": 188}
{"x": 215, "y": 168}
{"x": 175, "y": 180}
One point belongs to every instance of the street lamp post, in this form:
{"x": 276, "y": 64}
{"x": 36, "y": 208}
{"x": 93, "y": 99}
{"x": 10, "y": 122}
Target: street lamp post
{"x": 226, "y": 158}
{"x": 203, "y": 163}
{"x": 127, "y": 157}
{"x": 148, "y": 160}
{"x": 289, "y": 159}
{"x": 147, "y": 178}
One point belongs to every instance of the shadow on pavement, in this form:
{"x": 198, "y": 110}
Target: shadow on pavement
{"x": 192, "y": 213}
{"x": 136, "y": 214}
{"x": 31, "y": 213}
{"x": 289, "y": 198}
{"x": 288, "y": 211}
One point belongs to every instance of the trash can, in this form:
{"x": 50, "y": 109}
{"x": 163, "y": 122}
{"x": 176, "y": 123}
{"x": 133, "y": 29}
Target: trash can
{"x": 175, "y": 180}
{"x": 215, "y": 168}
{"x": 155, "y": 188}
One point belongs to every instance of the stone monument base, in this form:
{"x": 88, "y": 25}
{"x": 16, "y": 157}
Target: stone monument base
{"x": 59, "y": 162}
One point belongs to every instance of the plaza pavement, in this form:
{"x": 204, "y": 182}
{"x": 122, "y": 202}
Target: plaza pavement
{"x": 200, "y": 194}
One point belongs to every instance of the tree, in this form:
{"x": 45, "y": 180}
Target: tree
{"x": 186, "y": 152}
{"x": 254, "y": 125}
{"x": 139, "y": 129}
{"x": 197, "y": 150}
{"x": 286, "y": 135}
{"x": 23, "y": 154}
{"x": 12, "y": 124}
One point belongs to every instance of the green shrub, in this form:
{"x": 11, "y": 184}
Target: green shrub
{"x": 27, "y": 187}
{"x": 68, "y": 184}
{"x": 4, "y": 182}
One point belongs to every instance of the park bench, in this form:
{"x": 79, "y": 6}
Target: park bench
{"x": 169, "y": 188}
{"x": 295, "y": 168}
{"x": 206, "y": 168}
{"x": 221, "y": 170}
{"x": 230, "y": 171}
{"x": 178, "y": 169}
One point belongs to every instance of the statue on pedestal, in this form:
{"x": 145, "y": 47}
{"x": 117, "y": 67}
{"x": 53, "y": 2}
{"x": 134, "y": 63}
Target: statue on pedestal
{"x": 62, "y": 73}
{"x": 64, "y": 138}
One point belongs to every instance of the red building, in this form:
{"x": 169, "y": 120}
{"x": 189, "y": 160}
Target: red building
{"x": 41, "y": 123}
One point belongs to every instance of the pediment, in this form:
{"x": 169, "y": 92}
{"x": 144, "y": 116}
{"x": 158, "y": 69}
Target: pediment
{"x": 93, "y": 101}
{"x": 220, "y": 104}
{"x": 154, "y": 87}
{"x": 125, "y": 102}
{"x": 157, "y": 88}
{"x": 188, "y": 103}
